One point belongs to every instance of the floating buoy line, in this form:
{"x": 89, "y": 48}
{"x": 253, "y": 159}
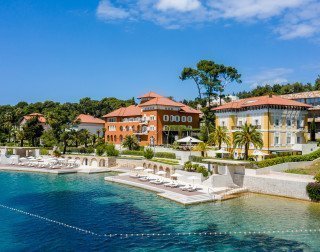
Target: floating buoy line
{"x": 129, "y": 235}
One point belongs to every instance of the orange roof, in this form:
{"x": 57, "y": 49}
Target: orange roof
{"x": 190, "y": 110}
{"x": 150, "y": 95}
{"x": 132, "y": 110}
{"x": 259, "y": 101}
{"x": 162, "y": 101}
{"x": 41, "y": 118}
{"x": 89, "y": 119}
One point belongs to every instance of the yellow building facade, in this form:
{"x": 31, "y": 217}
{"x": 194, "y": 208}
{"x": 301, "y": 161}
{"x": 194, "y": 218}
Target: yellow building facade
{"x": 282, "y": 123}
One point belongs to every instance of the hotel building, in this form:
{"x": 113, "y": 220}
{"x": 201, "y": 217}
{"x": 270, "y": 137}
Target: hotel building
{"x": 282, "y": 122}
{"x": 150, "y": 120}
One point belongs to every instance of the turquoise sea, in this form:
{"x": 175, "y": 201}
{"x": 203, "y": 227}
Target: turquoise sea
{"x": 90, "y": 203}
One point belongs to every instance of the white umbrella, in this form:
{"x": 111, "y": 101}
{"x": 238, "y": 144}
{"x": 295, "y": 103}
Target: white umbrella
{"x": 222, "y": 151}
{"x": 161, "y": 173}
{"x": 148, "y": 170}
{"x": 189, "y": 139}
{"x": 193, "y": 178}
{"x": 259, "y": 153}
{"x": 139, "y": 168}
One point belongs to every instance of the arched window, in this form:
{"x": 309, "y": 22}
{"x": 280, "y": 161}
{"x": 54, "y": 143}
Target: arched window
{"x": 172, "y": 118}
{"x": 111, "y": 138}
{"x": 166, "y": 118}
{"x": 127, "y": 128}
{"x": 189, "y": 118}
{"x": 121, "y": 128}
{"x": 108, "y": 138}
{"x": 177, "y": 118}
{"x": 115, "y": 138}
{"x": 183, "y": 118}
{"x": 121, "y": 138}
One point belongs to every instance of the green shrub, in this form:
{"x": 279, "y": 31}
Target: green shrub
{"x": 10, "y": 152}
{"x": 148, "y": 153}
{"x": 196, "y": 159}
{"x": 317, "y": 177}
{"x": 294, "y": 158}
{"x": 313, "y": 190}
{"x": 56, "y": 153}
{"x": 100, "y": 150}
{"x": 165, "y": 155}
{"x": 111, "y": 150}
{"x": 187, "y": 166}
{"x": 44, "y": 152}
{"x": 166, "y": 161}
{"x": 132, "y": 153}
{"x": 203, "y": 170}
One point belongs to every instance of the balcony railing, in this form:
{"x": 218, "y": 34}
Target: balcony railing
{"x": 240, "y": 127}
{"x": 140, "y": 132}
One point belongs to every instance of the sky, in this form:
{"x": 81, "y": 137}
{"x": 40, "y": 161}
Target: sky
{"x": 64, "y": 50}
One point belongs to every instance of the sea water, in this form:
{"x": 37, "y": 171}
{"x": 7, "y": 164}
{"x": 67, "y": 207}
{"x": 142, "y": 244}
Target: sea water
{"x": 250, "y": 223}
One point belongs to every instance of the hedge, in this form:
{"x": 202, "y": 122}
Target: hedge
{"x": 197, "y": 159}
{"x": 132, "y": 153}
{"x": 313, "y": 190}
{"x": 165, "y": 155}
{"x": 295, "y": 158}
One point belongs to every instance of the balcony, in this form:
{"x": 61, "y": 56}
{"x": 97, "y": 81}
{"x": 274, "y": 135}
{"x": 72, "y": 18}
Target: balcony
{"x": 140, "y": 132}
{"x": 240, "y": 127}
{"x": 143, "y": 121}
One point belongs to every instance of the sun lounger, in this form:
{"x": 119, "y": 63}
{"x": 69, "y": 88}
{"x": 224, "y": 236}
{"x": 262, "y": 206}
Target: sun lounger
{"x": 134, "y": 176}
{"x": 185, "y": 188}
{"x": 192, "y": 189}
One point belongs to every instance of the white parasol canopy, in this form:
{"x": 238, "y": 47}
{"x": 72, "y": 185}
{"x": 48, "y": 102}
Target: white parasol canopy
{"x": 139, "y": 168}
{"x": 222, "y": 151}
{"x": 148, "y": 170}
{"x": 259, "y": 153}
{"x": 161, "y": 173}
{"x": 193, "y": 178}
{"x": 189, "y": 139}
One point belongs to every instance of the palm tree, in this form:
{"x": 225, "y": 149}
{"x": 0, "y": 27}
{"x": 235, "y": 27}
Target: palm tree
{"x": 84, "y": 136}
{"x": 203, "y": 148}
{"x": 130, "y": 142}
{"x": 219, "y": 136}
{"x": 246, "y": 136}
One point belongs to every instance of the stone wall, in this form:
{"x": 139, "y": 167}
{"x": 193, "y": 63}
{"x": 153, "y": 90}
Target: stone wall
{"x": 94, "y": 161}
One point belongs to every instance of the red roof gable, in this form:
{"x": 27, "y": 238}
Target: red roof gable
{"x": 150, "y": 95}
{"x": 162, "y": 101}
{"x": 123, "y": 112}
{"x": 41, "y": 118}
{"x": 259, "y": 101}
{"x": 89, "y": 119}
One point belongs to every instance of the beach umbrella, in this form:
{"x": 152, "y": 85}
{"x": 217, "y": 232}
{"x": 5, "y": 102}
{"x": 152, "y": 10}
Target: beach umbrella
{"x": 148, "y": 170}
{"x": 189, "y": 139}
{"x": 193, "y": 178}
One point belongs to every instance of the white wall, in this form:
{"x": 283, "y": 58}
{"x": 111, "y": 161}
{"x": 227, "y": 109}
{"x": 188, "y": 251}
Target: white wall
{"x": 92, "y": 128}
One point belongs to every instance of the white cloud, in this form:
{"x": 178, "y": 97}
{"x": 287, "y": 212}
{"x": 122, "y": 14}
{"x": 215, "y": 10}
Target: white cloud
{"x": 107, "y": 11}
{"x": 289, "y": 19}
{"x": 269, "y": 76}
{"x": 178, "y": 5}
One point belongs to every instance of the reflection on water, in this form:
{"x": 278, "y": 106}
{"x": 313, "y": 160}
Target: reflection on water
{"x": 91, "y": 203}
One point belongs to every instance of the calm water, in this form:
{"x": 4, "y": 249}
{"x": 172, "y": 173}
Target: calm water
{"x": 90, "y": 203}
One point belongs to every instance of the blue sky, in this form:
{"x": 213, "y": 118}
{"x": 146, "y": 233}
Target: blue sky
{"x": 66, "y": 50}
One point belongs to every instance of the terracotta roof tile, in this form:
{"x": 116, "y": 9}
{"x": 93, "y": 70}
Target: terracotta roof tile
{"x": 162, "y": 101}
{"x": 89, "y": 119}
{"x": 150, "y": 95}
{"x": 261, "y": 100}
{"x": 41, "y": 118}
{"x": 123, "y": 112}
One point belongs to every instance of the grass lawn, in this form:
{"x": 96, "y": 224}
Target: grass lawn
{"x": 309, "y": 170}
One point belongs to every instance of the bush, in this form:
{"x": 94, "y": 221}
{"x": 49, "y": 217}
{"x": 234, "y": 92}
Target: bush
{"x": 165, "y": 155}
{"x": 44, "y": 152}
{"x": 196, "y": 159}
{"x": 10, "y": 152}
{"x": 203, "y": 170}
{"x": 187, "y": 166}
{"x": 148, "y": 153}
{"x": 56, "y": 153}
{"x": 313, "y": 190}
{"x": 100, "y": 150}
{"x": 285, "y": 159}
{"x": 111, "y": 150}
{"x": 317, "y": 177}
{"x": 132, "y": 153}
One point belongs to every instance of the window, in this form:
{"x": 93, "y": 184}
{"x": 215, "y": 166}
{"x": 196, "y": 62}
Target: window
{"x": 166, "y": 118}
{"x": 152, "y": 128}
{"x": 288, "y": 138}
{"x": 152, "y": 118}
{"x": 177, "y": 118}
{"x": 289, "y": 122}
{"x": 240, "y": 123}
{"x": 183, "y": 118}
{"x": 256, "y": 122}
{"x": 298, "y": 140}
{"x": 121, "y": 128}
{"x": 172, "y": 118}
{"x": 189, "y": 118}
{"x": 112, "y": 128}
{"x": 276, "y": 138}
{"x": 223, "y": 123}
{"x": 276, "y": 121}
{"x": 111, "y": 119}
